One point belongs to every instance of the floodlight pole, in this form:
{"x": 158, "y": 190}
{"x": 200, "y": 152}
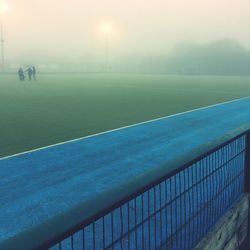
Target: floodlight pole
{"x": 107, "y": 51}
{"x": 2, "y": 43}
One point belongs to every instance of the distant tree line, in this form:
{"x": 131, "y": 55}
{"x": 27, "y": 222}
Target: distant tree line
{"x": 221, "y": 57}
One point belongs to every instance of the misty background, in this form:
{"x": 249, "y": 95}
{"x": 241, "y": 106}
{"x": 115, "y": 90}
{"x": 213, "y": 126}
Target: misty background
{"x": 148, "y": 36}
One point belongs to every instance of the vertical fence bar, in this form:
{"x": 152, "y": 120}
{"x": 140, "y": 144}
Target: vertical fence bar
{"x": 128, "y": 225}
{"x": 247, "y": 164}
{"x": 247, "y": 175}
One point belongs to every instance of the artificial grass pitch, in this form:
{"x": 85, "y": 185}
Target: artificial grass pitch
{"x": 61, "y": 107}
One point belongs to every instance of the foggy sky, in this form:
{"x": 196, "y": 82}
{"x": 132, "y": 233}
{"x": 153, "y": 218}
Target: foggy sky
{"x": 71, "y": 27}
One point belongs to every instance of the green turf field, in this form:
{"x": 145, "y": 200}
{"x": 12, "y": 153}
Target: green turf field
{"x": 57, "y": 108}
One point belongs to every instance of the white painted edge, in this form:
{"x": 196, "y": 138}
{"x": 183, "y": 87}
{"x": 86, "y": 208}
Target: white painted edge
{"x": 120, "y": 128}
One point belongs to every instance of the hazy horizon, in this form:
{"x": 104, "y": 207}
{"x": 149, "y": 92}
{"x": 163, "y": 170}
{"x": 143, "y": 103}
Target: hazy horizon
{"x": 71, "y": 28}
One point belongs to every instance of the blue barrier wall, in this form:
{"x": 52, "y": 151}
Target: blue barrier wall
{"x": 177, "y": 212}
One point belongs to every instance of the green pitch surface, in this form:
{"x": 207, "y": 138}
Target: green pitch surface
{"x": 58, "y": 108}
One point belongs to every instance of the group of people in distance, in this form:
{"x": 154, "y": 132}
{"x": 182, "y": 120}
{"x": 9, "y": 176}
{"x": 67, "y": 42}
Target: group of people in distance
{"x": 31, "y": 71}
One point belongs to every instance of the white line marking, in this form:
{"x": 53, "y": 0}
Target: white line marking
{"x": 116, "y": 129}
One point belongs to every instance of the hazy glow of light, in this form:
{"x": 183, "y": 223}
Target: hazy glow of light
{"x": 3, "y": 7}
{"x": 137, "y": 26}
{"x": 106, "y": 28}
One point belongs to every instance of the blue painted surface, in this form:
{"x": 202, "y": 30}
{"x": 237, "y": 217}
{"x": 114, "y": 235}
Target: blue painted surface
{"x": 36, "y": 186}
{"x": 196, "y": 197}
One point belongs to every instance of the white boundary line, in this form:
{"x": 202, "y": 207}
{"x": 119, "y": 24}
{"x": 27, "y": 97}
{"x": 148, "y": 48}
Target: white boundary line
{"x": 116, "y": 129}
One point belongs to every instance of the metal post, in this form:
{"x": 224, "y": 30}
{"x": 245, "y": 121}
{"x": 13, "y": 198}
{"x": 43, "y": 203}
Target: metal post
{"x": 107, "y": 52}
{"x": 247, "y": 177}
{"x": 2, "y": 44}
{"x": 247, "y": 164}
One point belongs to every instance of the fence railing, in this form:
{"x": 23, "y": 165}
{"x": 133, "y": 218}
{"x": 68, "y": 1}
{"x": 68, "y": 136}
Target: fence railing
{"x": 174, "y": 212}
{"x": 172, "y": 207}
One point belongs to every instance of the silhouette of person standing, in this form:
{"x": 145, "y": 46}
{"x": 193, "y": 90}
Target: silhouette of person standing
{"x": 30, "y": 73}
{"x": 21, "y": 74}
{"x": 34, "y": 72}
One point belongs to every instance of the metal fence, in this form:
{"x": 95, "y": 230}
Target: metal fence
{"x": 173, "y": 213}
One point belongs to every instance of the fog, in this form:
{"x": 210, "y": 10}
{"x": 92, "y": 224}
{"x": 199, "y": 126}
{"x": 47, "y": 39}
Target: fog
{"x": 60, "y": 30}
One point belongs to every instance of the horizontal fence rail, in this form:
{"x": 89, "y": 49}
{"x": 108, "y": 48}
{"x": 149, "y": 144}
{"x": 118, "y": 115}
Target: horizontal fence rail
{"x": 174, "y": 213}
